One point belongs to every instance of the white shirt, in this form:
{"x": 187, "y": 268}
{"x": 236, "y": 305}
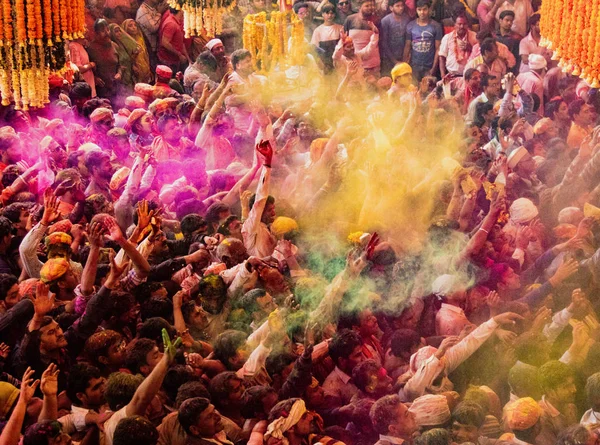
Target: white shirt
{"x": 111, "y": 425}
{"x": 257, "y": 237}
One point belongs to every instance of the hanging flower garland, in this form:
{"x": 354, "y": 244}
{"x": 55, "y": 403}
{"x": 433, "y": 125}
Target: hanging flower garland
{"x": 32, "y": 45}
{"x": 571, "y": 29}
{"x": 203, "y": 17}
{"x": 274, "y": 43}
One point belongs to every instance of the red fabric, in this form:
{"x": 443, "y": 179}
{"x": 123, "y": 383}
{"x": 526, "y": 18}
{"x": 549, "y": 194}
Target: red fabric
{"x": 172, "y": 30}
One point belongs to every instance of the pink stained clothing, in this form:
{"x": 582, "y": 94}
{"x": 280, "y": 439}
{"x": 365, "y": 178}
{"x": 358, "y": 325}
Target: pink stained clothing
{"x": 172, "y": 30}
{"x": 162, "y": 150}
{"x": 522, "y": 9}
{"x": 340, "y": 61}
{"x": 455, "y": 58}
{"x": 533, "y": 83}
{"x": 450, "y": 320}
{"x": 219, "y": 152}
{"x": 80, "y": 57}
{"x": 528, "y": 46}
{"x": 363, "y": 40}
{"x": 497, "y": 68}
{"x": 257, "y": 237}
{"x": 325, "y": 33}
{"x": 487, "y": 20}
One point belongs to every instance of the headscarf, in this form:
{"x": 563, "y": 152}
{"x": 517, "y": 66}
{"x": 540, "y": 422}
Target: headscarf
{"x": 279, "y": 426}
{"x": 522, "y": 211}
{"x": 126, "y": 49}
{"x": 142, "y": 61}
{"x": 53, "y": 269}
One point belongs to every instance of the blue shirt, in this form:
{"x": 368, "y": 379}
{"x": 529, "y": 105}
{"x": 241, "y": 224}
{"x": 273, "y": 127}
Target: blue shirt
{"x": 423, "y": 40}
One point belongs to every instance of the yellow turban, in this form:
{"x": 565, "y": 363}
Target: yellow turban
{"x": 522, "y": 414}
{"x": 8, "y": 396}
{"x": 118, "y": 178}
{"x": 58, "y": 238}
{"x": 283, "y": 225}
{"x": 401, "y": 69}
{"x": 54, "y": 269}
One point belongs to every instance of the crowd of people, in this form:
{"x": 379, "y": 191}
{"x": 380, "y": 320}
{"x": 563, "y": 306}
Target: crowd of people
{"x": 393, "y": 239}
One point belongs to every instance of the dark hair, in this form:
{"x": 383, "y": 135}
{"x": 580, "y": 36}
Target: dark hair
{"x": 508, "y": 12}
{"x": 207, "y": 59}
{"x": 575, "y": 107}
{"x": 534, "y": 19}
{"x": 94, "y": 159}
{"x": 164, "y": 120}
{"x": 248, "y": 300}
{"x": 592, "y": 388}
{"x": 189, "y": 390}
{"x": 299, "y": 5}
{"x": 481, "y": 109}
{"x": 157, "y": 308}
{"x": 252, "y": 405}
{"x": 120, "y": 389}
{"x": 79, "y": 379}
{"x": 99, "y": 343}
{"x": 331, "y": 8}
{"x": 224, "y": 228}
{"x": 99, "y": 25}
{"x": 486, "y": 79}
{"x": 552, "y": 106}
{"x": 80, "y": 90}
{"x": 487, "y": 45}
{"x": 176, "y": 377}
{"x": 434, "y": 436}
{"x": 190, "y": 223}
{"x": 137, "y": 352}
{"x": 403, "y": 340}
{"x": 343, "y": 343}
{"x": 469, "y": 73}
{"x": 361, "y": 372}
{"x": 573, "y": 435}
{"x": 238, "y": 55}
{"x": 190, "y": 411}
{"x": 270, "y": 200}
{"x": 40, "y": 433}
{"x": 219, "y": 387}
{"x": 212, "y": 213}
{"x": 553, "y": 374}
{"x": 469, "y": 413}
{"x": 6, "y": 282}
{"x": 9, "y": 174}
{"x": 226, "y": 345}
{"x": 384, "y": 413}
{"x": 5, "y": 227}
{"x": 277, "y": 361}
{"x": 152, "y": 329}
{"x": 135, "y": 429}
{"x": 423, "y": 4}
{"x": 13, "y": 211}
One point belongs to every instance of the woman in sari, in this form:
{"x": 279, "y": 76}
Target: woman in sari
{"x": 127, "y": 49}
{"x": 142, "y": 62}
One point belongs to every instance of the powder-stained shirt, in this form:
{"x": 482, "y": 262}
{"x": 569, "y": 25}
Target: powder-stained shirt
{"x": 422, "y": 40}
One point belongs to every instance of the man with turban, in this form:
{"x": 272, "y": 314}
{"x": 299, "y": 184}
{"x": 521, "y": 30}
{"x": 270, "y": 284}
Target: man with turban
{"x": 101, "y": 121}
{"x": 522, "y": 417}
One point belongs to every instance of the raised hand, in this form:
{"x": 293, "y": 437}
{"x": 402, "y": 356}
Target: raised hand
{"x": 265, "y": 149}
{"x": 509, "y": 318}
{"x": 446, "y": 344}
{"x": 115, "y": 272}
{"x": 28, "y": 386}
{"x": 564, "y": 271}
{"x": 43, "y": 302}
{"x": 95, "y": 235}
{"x": 49, "y": 385}
{"x": 114, "y": 231}
{"x": 144, "y": 216}
{"x": 4, "y": 351}
{"x": 170, "y": 348}
{"x": 50, "y": 207}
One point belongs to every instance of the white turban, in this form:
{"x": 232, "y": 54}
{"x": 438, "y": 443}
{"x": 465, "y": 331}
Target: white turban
{"x": 522, "y": 211}
{"x": 279, "y": 426}
{"x": 515, "y": 157}
{"x": 212, "y": 43}
{"x": 430, "y": 410}
{"x": 443, "y": 285}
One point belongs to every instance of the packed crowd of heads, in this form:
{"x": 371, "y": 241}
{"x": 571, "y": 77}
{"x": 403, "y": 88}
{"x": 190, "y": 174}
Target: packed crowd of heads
{"x": 391, "y": 238}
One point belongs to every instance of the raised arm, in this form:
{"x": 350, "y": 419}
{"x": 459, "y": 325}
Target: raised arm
{"x": 140, "y": 263}
{"x": 12, "y": 430}
{"x": 151, "y": 385}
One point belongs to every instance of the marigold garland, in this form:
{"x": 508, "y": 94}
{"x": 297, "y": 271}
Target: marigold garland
{"x": 25, "y": 61}
{"x": 268, "y": 42}
{"x": 571, "y": 29}
{"x": 203, "y": 17}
